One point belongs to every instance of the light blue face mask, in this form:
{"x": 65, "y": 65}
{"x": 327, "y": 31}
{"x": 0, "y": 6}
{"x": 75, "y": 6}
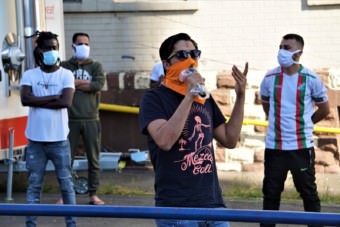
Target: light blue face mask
{"x": 50, "y": 57}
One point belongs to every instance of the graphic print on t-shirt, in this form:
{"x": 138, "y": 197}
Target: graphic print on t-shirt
{"x": 195, "y": 143}
{"x": 81, "y": 74}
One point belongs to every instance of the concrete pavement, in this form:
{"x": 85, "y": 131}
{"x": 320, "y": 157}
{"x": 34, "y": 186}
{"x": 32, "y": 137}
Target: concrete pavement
{"x": 143, "y": 180}
{"x": 15, "y": 221}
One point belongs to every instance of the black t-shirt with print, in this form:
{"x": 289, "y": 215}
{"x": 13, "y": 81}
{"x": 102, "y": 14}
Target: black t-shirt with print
{"x": 186, "y": 175}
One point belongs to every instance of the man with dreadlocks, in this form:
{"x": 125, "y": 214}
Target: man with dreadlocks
{"x": 48, "y": 91}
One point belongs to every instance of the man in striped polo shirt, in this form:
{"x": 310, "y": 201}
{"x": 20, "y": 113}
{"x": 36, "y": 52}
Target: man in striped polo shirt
{"x": 289, "y": 94}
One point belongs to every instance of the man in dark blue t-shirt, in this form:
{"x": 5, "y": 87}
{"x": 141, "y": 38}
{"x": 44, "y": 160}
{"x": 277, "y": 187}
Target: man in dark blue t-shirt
{"x": 181, "y": 127}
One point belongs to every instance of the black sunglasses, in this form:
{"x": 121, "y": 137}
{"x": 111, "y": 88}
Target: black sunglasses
{"x": 184, "y": 54}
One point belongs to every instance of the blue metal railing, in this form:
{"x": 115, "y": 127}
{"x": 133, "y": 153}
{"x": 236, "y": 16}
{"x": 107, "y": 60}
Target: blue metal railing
{"x": 257, "y": 216}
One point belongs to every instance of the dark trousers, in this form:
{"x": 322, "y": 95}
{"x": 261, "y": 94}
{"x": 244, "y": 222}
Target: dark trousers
{"x": 301, "y": 165}
{"x": 90, "y": 131}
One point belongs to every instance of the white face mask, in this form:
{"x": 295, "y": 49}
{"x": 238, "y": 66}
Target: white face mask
{"x": 82, "y": 51}
{"x": 285, "y": 58}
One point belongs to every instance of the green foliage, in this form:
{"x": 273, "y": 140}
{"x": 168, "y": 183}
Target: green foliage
{"x": 242, "y": 190}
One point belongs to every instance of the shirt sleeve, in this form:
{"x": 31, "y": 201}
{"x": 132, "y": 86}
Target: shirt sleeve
{"x": 98, "y": 77}
{"x": 218, "y": 117}
{"x": 25, "y": 79}
{"x": 319, "y": 91}
{"x": 264, "y": 91}
{"x": 68, "y": 79}
{"x": 150, "y": 110}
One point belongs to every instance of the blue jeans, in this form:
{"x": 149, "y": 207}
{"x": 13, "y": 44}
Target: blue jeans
{"x": 37, "y": 155}
{"x": 190, "y": 223}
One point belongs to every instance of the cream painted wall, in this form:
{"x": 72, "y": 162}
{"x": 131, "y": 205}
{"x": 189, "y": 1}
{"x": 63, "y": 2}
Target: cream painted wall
{"x": 228, "y": 31}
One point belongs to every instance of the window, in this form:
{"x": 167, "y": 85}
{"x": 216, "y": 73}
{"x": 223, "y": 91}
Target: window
{"x": 323, "y": 2}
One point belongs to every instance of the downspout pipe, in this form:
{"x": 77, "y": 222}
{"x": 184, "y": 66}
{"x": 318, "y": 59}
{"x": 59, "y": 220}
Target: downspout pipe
{"x": 30, "y": 27}
{"x": 20, "y": 28}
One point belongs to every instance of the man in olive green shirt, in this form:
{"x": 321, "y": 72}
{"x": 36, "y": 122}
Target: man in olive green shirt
{"x": 84, "y": 113}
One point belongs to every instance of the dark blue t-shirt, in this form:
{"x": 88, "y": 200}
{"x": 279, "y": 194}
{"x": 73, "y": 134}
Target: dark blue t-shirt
{"x": 186, "y": 175}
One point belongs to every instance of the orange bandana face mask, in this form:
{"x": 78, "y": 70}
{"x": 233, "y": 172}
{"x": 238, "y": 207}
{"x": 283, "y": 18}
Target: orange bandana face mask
{"x": 171, "y": 79}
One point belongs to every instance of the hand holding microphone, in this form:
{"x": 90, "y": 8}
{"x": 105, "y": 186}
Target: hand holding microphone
{"x": 198, "y": 88}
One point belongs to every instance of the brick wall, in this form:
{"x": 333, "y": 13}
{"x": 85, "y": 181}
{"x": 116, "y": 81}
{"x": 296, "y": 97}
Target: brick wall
{"x": 121, "y": 132}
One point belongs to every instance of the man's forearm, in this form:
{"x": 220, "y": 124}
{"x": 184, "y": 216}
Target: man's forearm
{"x": 322, "y": 112}
{"x": 166, "y": 133}
{"x": 83, "y": 85}
{"x": 35, "y": 101}
{"x": 235, "y": 122}
{"x": 318, "y": 116}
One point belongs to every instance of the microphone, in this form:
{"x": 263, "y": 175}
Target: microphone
{"x": 199, "y": 88}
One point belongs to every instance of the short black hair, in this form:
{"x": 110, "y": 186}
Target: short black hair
{"x": 168, "y": 45}
{"x": 297, "y": 37}
{"x": 75, "y": 36}
{"x": 43, "y": 36}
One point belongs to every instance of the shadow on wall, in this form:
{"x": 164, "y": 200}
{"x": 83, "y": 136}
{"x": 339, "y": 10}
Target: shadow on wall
{"x": 120, "y": 131}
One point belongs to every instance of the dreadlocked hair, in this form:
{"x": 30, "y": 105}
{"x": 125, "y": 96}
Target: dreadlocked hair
{"x": 42, "y": 36}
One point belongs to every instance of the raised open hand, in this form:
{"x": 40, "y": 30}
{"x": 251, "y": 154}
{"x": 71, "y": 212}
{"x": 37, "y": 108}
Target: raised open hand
{"x": 240, "y": 78}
